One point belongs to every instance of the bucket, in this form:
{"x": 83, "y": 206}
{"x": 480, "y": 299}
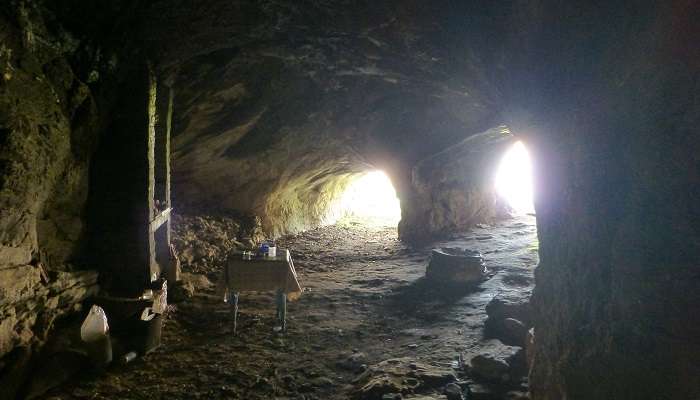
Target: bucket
{"x": 150, "y": 332}
{"x": 135, "y": 333}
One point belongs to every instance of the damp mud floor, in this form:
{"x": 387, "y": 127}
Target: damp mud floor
{"x": 365, "y": 302}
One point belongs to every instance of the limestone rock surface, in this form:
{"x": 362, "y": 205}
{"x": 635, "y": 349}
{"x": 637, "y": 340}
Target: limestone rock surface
{"x": 497, "y": 362}
{"x": 48, "y": 125}
{"x": 401, "y": 375}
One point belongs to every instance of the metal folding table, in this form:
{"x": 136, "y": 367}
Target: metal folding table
{"x": 261, "y": 274}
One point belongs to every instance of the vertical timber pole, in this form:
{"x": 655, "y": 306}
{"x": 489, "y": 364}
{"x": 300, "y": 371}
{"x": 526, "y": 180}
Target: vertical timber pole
{"x": 152, "y": 266}
{"x": 161, "y": 225}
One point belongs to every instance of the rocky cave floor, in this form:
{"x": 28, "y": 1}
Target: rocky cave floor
{"x": 368, "y": 324}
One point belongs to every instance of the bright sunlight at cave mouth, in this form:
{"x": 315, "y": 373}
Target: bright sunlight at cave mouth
{"x": 372, "y": 197}
{"x": 514, "y": 179}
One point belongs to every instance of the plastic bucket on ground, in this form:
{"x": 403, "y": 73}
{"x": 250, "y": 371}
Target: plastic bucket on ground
{"x": 151, "y": 331}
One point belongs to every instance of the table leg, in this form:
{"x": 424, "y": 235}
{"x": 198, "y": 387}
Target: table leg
{"x": 282, "y": 308}
{"x": 234, "y": 303}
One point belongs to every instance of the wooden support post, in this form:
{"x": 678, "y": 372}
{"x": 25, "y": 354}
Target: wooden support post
{"x": 160, "y": 224}
{"x": 129, "y": 172}
{"x": 153, "y": 270}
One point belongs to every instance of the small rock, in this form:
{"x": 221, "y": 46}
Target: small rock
{"x": 198, "y": 281}
{"x": 323, "y": 382}
{"x": 516, "y": 395}
{"x": 180, "y": 292}
{"x": 306, "y": 387}
{"x": 515, "y": 330}
{"x": 264, "y": 385}
{"x": 481, "y": 392}
{"x": 401, "y": 375}
{"x": 506, "y": 313}
{"x": 513, "y": 304}
{"x": 454, "y": 392}
{"x": 353, "y": 362}
{"x": 496, "y": 362}
{"x": 392, "y": 396}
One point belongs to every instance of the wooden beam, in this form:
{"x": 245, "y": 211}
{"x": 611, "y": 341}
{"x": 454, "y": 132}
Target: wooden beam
{"x": 160, "y": 219}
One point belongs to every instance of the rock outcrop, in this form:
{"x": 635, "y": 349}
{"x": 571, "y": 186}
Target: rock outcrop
{"x": 612, "y": 110}
{"x": 497, "y": 362}
{"x": 401, "y": 376}
{"x": 454, "y": 189}
{"x": 47, "y": 130}
{"x": 455, "y": 267}
{"x": 275, "y": 114}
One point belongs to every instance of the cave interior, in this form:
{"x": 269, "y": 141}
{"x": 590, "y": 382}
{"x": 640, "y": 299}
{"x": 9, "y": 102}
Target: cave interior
{"x": 482, "y": 200}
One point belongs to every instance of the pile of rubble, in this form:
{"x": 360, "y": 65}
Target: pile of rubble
{"x": 204, "y": 242}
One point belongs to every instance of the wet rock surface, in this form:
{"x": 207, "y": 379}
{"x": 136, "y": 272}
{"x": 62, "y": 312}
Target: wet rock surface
{"x": 367, "y": 315}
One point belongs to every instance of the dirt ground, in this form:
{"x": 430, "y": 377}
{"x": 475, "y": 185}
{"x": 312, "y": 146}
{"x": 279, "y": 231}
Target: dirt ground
{"x": 365, "y": 302}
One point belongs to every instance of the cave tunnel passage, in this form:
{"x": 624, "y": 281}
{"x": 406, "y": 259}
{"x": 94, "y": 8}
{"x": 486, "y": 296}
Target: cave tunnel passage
{"x": 369, "y": 198}
{"x": 513, "y": 179}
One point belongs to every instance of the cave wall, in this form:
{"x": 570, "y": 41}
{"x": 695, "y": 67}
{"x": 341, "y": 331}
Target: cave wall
{"x": 254, "y": 146}
{"x": 276, "y": 102}
{"x": 609, "y": 96}
{"x": 454, "y": 189}
{"x": 47, "y": 132}
{"x": 605, "y": 95}
{"x": 274, "y": 110}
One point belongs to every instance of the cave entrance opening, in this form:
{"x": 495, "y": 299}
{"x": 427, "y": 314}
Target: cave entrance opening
{"x": 514, "y": 179}
{"x": 369, "y": 198}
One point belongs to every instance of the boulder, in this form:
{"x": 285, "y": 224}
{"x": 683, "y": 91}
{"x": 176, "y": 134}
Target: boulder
{"x": 511, "y": 304}
{"x": 180, "y": 291}
{"x": 482, "y": 392}
{"x": 187, "y": 286}
{"x": 455, "y": 266}
{"x": 355, "y": 362}
{"x": 198, "y": 281}
{"x": 454, "y": 392}
{"x": 497, "y": 362}
{"x": 509, "y": 317}
{"x": 513, "y": 332}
